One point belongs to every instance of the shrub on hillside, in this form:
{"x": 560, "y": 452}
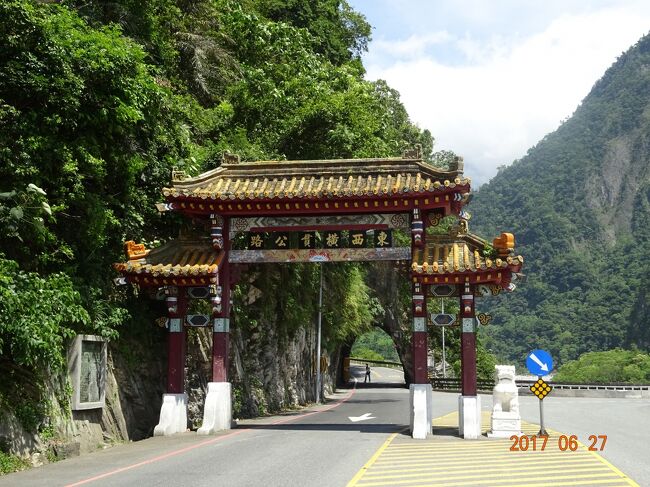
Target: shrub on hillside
{"x": 615, "y": 365}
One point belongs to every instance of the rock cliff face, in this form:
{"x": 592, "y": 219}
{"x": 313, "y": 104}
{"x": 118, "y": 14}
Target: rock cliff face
{"x": 133, "y": 397}
{"x": 267, "y": 370}
{"x": 391, "y": 285}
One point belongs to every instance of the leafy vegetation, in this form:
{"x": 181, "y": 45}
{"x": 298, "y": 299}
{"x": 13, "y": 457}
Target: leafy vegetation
{"x": 87, "y": 138}
{"x": 375, "y": 345}
{"x": 367, "y": 354}
{"x": 578, "y": 204}
{"x": 11, "y": 463}
{"x": 616, "y": 365}
{"x": 24, "y": 295}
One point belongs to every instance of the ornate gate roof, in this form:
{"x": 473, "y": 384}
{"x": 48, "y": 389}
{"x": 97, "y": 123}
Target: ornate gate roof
{"x": 465, "y": 257}
{"x": 180, "y": 262}
{"x": 338, "y": 186}
{"x": 309, "y": 195}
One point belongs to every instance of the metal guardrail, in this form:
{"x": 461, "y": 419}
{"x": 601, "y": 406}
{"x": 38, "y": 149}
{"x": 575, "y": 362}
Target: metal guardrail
{"x": 454, "y": 384}
{"x": 383, "y": 363}
{"x": 450, "y": 384}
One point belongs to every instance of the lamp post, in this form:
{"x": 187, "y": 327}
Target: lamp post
{"x": 320, "y": 317}
{"x": 444, "y": 361}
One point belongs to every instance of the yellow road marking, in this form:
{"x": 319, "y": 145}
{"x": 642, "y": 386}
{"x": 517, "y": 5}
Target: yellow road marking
{"x": 629, "y": 480}
{"x": 489, "y": 468}
{"x": 480, "y": 455}
{"x": 451, "y": 467}
{"x": 449, "y": 461}
{"x": 372, "y": 460}
{"x": 485, "y": 463}
{"x": 502, "y": 480}
{"x": 502, "y": 472}
{"x": 577, "y": 482}
{"x": 494, "y": 446}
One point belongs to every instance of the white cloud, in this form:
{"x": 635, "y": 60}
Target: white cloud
{"x": 413, "y": 46}
{"x": 504, "y": 94}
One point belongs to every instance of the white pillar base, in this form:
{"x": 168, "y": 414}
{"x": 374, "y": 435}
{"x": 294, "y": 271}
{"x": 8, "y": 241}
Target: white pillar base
{"x": 469, "y": 417}
{"x": 217, "y": 412}
{"x": 421, "y": 410}
{"x": 173, "y": 415}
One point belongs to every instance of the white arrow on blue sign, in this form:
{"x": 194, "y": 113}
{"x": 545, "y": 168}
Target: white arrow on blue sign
{"x": 539, "y": 362}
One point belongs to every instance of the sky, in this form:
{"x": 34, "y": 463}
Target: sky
{"x": 490, "y": 78}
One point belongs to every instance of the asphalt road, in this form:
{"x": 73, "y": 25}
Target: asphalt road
{"x": 626, "y": 422}
{"x": 319, "y": 447}
{"x": 323, "y": 446}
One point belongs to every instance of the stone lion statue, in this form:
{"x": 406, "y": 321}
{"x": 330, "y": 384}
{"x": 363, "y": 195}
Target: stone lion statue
{"x": 504, "y": 396}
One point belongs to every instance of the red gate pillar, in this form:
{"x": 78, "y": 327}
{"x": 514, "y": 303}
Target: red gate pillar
{"x": 221, "y": 342}
{"x": 469, "y": 405}
{"x": 173, "y": 412}
{"x": 217, "y": 411}
{"x": 176, "y": 307}
{"x": 221, "y": 311}
{"x": 420, "y": 389}
{"x": 420, "y": 335}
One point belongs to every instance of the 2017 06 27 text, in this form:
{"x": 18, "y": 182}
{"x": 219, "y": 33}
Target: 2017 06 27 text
{"x": 564, "y": 443}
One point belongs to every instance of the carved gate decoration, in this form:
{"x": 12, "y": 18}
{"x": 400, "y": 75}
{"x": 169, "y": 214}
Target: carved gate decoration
{"x": 319, "y": 211}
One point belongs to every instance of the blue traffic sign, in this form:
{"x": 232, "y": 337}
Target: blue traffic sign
{"x": 539, "y": 362}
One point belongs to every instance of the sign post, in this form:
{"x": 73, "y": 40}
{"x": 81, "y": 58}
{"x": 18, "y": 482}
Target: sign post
{"x": 540, "y": 363}
{"x": 444, "y": 359}
{"x": 320, "y": 318}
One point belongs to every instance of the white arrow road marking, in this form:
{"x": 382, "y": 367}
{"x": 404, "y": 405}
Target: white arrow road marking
{"x": 542, "y": 365}
{"x": 355, "y": 419}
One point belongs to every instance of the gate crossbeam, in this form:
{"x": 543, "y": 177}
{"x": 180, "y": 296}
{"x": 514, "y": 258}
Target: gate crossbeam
{"x": 318, "y": 255}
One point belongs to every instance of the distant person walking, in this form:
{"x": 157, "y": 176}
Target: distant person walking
{"x": 367, "y": 377}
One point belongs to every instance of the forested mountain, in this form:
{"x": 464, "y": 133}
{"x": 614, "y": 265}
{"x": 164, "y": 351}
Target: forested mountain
{"x": 579, "y": 206}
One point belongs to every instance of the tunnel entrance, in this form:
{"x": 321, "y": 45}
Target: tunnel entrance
{"x": 376, "y": 350}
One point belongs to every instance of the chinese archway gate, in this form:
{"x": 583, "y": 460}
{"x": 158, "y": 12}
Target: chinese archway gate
{"x": 280, "y": 208}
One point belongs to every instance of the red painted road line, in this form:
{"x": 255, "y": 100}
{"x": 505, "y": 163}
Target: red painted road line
{"x": 205, "y": 443}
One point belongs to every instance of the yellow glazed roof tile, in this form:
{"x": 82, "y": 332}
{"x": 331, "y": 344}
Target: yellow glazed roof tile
{"x": 180, "y": 257}
{"x": 444, "y": 254}
{"x": 318, "y": 179}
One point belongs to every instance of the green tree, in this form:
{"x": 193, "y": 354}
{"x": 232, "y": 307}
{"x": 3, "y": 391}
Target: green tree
{"x": 378, "y": 342}
{"x": 615, "y": 365}
{"x": 337, "y": 31}
{"x": 83, "y": 123}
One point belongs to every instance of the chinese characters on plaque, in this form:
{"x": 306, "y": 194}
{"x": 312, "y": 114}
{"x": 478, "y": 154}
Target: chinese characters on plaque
{"x": 383, "y": 238}
{"x": 255, "y": 241}
{"x": 307, "y": 240}
{"x": 90, "y": 384}
{"x": 357, "y": 238}
{"x": 281, "y": 240}
{"x": 326, "y": 239}
{"x": 332, "y": 240}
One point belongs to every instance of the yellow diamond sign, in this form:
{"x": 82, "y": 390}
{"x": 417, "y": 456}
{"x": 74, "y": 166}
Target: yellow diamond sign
{"x": 541, "y": 389}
